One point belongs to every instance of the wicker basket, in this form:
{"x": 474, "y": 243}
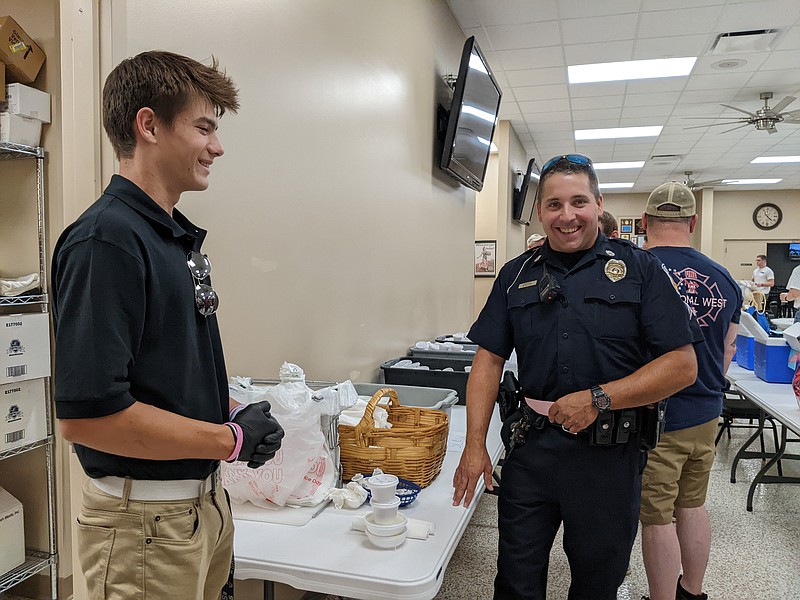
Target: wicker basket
{"x": 413, "y": 448}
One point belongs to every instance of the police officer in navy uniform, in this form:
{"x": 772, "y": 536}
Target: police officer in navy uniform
{"x": 599, "y": 330}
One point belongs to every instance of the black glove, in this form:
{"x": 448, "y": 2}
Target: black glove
{"x": 261, "y": 434}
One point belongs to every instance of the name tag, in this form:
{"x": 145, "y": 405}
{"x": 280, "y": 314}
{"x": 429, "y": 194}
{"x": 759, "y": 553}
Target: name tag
{"x": 527, "y": 284}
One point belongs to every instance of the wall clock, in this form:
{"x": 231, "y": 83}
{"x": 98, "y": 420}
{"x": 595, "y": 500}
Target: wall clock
{"x": 767, "y": 216}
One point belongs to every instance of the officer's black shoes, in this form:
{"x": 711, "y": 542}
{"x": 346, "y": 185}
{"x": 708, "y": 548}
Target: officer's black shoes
{"x": 682, "y": 594}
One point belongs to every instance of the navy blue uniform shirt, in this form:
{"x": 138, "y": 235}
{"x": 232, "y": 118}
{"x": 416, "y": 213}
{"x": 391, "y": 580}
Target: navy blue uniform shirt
{"x": 601, "y": 331}
{"x": 127, "y": 328}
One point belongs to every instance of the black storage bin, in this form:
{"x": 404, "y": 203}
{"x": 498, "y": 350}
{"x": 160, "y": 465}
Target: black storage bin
{"x": 454, "y": 380}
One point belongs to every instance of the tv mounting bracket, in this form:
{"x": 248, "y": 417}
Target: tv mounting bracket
{"x": 450, "y": 80}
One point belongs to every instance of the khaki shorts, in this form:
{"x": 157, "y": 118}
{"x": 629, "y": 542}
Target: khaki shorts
{"x": 146, "y": 550}
{"x": 677, "y": 473}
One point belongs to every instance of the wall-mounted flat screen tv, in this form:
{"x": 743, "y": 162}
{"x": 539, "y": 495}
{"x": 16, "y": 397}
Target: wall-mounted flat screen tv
{"x": 525, "y": 196}
{"x": 471, "y": 120}
{"x": 794, "y": 251}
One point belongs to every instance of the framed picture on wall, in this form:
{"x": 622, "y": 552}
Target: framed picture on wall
{"x": 485, "y": 258}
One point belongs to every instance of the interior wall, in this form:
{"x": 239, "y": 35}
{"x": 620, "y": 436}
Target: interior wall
{"x": 494, "y": 206}
{"x": 336, "y": 242}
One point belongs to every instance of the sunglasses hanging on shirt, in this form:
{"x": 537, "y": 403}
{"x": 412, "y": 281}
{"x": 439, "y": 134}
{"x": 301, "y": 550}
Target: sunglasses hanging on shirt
{"x": 205, "y": 297}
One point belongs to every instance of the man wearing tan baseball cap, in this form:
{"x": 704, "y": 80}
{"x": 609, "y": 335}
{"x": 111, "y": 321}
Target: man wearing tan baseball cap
{"x": 675, "y": 480}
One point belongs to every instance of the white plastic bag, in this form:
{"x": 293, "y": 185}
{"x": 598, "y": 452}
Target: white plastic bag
{"x": 302, "y": 469}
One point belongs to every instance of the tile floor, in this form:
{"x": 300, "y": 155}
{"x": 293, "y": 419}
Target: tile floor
{"x": 754, "y": 555}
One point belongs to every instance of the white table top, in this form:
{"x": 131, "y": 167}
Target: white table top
{"x": 327, "y": 556}
{"x": 777, "y": 399}
{"x": 736, "y": 373}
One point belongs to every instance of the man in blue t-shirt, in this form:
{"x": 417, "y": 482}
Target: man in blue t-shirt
{"x": 675, "y": 480}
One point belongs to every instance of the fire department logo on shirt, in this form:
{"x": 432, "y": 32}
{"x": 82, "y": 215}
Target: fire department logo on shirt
{"x": 702, "y": 295}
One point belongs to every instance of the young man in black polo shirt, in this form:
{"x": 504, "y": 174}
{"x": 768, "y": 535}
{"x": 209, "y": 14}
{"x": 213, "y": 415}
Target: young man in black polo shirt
{"x": 140, "y": 382}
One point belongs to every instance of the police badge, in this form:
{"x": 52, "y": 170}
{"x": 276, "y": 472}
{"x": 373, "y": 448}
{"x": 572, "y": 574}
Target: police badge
{"x": 615, "y": 270}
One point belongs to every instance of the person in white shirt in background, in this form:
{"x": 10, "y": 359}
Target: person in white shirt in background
{"x": 763, "y": 276}
{"x": 792, "y": 292}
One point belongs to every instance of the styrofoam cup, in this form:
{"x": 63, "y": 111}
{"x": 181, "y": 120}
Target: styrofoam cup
{"x": 383, "y": 487}
{"x": 385, "y": 513}
{"x": 398, "y": 525}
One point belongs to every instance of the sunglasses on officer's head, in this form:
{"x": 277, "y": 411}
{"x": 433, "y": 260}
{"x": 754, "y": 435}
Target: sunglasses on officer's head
{"x": 205, "y": 298}
{"x": 575, "y": 159}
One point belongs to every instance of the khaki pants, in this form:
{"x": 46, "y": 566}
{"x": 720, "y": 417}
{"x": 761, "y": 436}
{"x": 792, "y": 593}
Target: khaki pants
{"x": 154, "y": 550}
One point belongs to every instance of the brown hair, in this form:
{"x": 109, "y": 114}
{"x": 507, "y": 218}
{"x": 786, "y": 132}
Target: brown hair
{"x": 566, "y": 167}
{"x": 608, "y": 224}
{"x": 165, "y": 82}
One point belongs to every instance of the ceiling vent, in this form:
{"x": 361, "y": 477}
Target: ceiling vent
{"x": 756, "y": 40}
{"x": 665, "y": 159}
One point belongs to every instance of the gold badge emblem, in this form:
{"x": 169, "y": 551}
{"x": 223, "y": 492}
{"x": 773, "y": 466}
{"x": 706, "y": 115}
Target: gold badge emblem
{"x": 615, "y": 270}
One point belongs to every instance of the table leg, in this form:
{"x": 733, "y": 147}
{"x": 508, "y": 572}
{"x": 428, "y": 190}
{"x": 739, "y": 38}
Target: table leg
{"x": 741, "y": 453}
{"x": 762, "y": 477}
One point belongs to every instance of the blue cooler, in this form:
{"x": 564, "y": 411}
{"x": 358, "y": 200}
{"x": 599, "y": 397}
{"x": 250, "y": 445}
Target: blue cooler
{"x": 770, "y": 360}
{"x": 744, "y": 349}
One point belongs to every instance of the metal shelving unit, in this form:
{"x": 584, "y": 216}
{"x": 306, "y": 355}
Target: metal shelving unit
{"x": 36, "y": 561}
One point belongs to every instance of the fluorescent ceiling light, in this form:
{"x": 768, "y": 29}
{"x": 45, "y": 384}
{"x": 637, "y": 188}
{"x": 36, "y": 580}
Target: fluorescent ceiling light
{"x": 749, "y": 181}
{"x": 615, "y": 186}
{"x": 618, "y": 132}
{"x": 776, "y": 159}
{"x": 631, "y": 69}
{"x": 637, "y": 164}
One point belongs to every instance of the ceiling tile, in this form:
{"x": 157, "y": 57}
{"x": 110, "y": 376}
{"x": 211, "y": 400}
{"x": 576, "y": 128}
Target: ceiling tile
{"x": 509, "y": 12}
{"x": 585, "y": 54}
{"x": 787, "y": 59}
{"x": 678, "y": 22}
{"x": 773, "y": 78}
{"x": 466, "y": 13}
{"x": 662, "y": 111}
{"x": 668, "y": 47}
{"x": 540, "y": 92}
{"x": 658, "y": 5}
{"x": 555, "y": 117}
{"x": 554, "y": 126}
{"x": 544, "y": 106}
{"x": 662, "y": 84}
{"x": 524, "y": 35}
{"x": 754, "y": 60}
{"x": 527, "y": 58}
{"x": 547, "y": 76}
{"x": 586, "y": 119}
{"x": 717, "y": 81}
{"x": 569, "y": 8}
{"x": 762, "y": 14}
{"x": 669, "y": 98}
{"x": 599, "y": 29}
{"x": 480, "y": 37}
{"x": 580, "y": 104}
{"x": 583, "y": 90}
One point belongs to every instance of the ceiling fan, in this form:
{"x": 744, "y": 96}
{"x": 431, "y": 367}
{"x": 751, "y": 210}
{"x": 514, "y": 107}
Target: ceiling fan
{"x": 696, "y": 185}
{"x": 764, "y": 118}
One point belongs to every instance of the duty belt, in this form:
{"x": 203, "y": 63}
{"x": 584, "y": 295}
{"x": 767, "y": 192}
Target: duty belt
{"x": 609, "y": 429}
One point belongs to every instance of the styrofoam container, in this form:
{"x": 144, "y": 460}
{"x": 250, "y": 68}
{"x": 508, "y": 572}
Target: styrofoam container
{"x": 792, "y": 336}
{"x": 397, "y": 525}
{"x": 387, "y": 542}
{"x": 383, "y": 488}
{"x": 770, "y": 361}
{"x": 12, "y": 532}
{"x": 384, "y": 513}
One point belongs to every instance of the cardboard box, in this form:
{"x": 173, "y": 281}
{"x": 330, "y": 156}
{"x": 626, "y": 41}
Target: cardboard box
{"x": 22, "y": 56}
{"x": 12, "y": 532}
{"x": 26, "y": 101}
{"x": 20, "y": 130}
{"x": 24, "y": 347}
{"x": 23, "y": 413}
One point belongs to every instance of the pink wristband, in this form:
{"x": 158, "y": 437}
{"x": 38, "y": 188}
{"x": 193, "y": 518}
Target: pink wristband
{"x": 236, "y": 410}
{"x": 238, "y": 435}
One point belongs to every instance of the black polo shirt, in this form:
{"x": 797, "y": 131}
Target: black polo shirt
{"x": 127, "y": 329}
{"x": 601, "y": 331}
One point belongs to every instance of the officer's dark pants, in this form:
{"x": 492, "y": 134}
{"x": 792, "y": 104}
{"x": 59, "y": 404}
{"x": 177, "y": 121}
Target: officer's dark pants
{"x": 595, "y": 491}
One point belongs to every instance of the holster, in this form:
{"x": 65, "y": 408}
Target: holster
{"x": 652, "y": 419}
{"x": 510, "y": 395}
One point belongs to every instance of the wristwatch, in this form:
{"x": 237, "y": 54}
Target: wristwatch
{"x": 600, "y": 400}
